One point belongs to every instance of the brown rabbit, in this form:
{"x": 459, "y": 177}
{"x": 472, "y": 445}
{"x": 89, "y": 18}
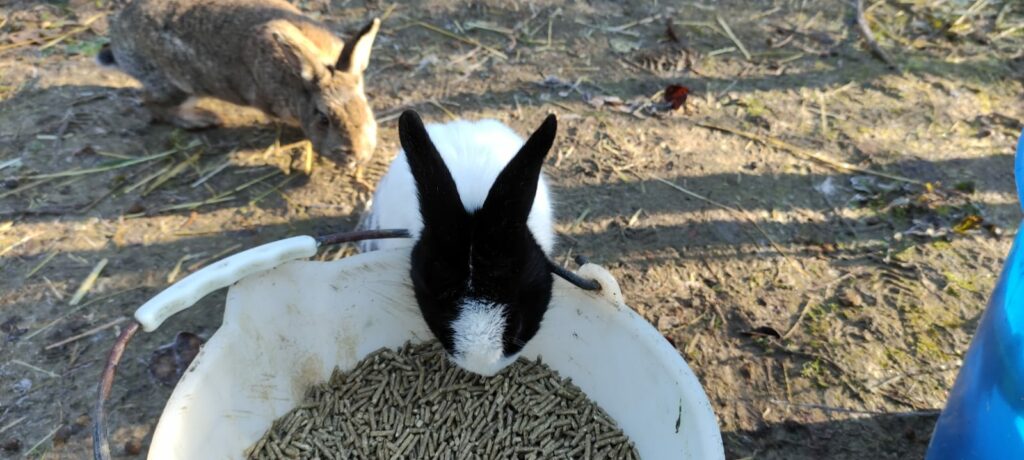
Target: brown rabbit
{"x": 260, "y": 53}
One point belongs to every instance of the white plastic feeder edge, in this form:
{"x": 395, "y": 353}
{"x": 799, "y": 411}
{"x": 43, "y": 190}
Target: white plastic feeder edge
{"x": 288, "y": 323}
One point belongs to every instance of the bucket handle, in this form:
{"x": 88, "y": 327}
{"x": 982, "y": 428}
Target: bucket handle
{"x": 188, "y": 291}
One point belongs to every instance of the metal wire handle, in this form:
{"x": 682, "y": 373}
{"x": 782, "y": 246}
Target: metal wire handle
{"x": 574, "y": 279}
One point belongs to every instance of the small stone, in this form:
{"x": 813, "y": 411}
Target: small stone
{"x": 62, "y": 435}
{"x": 133, "y": 447}
{"x": 11, "y": 445}
{"x": 851, "y": 298}
{"x": 666, "y": 322}
{"x": 23, "y": 385}
{"x": 135, "y": 208}
{"x": 162, "y": 367}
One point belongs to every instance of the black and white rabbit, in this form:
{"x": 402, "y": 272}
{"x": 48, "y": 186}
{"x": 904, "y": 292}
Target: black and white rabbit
{"x": 473, "y": 198}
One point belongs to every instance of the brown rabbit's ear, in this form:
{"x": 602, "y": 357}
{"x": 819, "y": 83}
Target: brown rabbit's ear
{"x": 297, "y": 50}
{"x": 355, "y": 56}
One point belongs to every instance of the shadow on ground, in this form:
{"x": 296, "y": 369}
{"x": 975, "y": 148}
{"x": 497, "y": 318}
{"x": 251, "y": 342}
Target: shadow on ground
{"x": 852, "y": 437}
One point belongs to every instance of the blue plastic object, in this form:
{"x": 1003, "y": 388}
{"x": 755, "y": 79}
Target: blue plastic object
{"x": 984, "y": 416}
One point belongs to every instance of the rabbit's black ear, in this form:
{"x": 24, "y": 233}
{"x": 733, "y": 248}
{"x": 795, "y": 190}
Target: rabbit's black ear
{"x": 511, "y": 197}
{"x": 440, "y": 204}
{"x": 355, "y": 55}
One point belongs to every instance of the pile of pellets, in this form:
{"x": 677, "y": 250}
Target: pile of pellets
{"x": 414, "y": 403}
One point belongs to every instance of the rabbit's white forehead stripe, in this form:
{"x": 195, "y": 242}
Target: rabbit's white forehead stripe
{"x": 477, "y": 336}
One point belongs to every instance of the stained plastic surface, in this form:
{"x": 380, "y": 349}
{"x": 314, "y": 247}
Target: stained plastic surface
{"x": 286, "y": 328}
{"x": 984, "y": 416}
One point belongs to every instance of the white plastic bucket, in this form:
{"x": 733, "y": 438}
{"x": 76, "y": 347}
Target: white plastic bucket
{"x": 288, "y": 323}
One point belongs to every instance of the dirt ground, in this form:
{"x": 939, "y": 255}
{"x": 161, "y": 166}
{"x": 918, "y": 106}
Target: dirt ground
{"x": 825, "y": 310}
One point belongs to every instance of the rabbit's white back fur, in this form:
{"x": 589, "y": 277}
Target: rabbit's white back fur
{"x": 475, "y": 153}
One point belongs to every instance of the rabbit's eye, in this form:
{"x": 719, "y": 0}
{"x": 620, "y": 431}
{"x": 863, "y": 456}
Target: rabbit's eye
{"x": 322, "y": 120}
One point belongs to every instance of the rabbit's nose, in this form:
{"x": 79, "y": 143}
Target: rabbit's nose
{"x": 346, "y": 158}
{"x": 361, "y": 154}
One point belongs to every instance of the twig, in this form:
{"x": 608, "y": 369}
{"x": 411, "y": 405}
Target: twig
{"x": 20, "y": 242}
{"x": 13, "y": 424}
{"x": 807, "y": 154}
{"x": 189, "y": 205}
{"x": 217, "y": 256}
{"x": 971, "y": 11}
{"x": 100, "y": 444}
{"x": 307, "y": 156}
{"x": 22, "y": 188}
{"x": 732, "y": 36}
{"x": 9, "y": 163}
{"x": 41, "y": 211}
{"x": 921, "y": 413}
{"x": 800, "y": 317}
{"x": 727, "y": 49}
{"x": 738, "y": 212}
{"x": 632, "y": 24}
{"x": 931, "y": 370}
{"x": 53, "y": 39}
{"x": 218, "y": 198}
{"x": 443, "y": 109}
{"x": 551, "y": 23}
{"x": 503, "y": 31}
{"x": 869, "y": 37}
{"x": 87, "y": 283}
{"x": 579, "y": 219}
{"x": 824, "y": 114}
{"x": 41, "y": 263}
{"x": 213, "y": 172}
{"x": 173, "y": 275}
{"x": 460, "y": 38}
{"x": 85, "y": 334}
{"x": 765, "y": 14}
{"x": 119, "y": 185}
{"x": 41, "y": 441}
{"x": 1007, "y": 32}
{"x": 69, "y": 116}
{"x": 53, "y": 289}
{"x": 171, "y": 173}
{"x": 35, "y": 368}
{"x": 116, "y": 165}
{"x": 387, "y": 12}
{"x": 397, "y": 112}
{"x": 79, "y": 307}
{"x": 289, "y": 147}
{"x": 829, "y": 288}
{"x": 785, "y": 376}
{"x": 146, "y": 179}
{"x": 273, "y": 189}
{"x": 248, "y": 184}
{"x": 75, "y": 31}
{"x": 718, "y": 279}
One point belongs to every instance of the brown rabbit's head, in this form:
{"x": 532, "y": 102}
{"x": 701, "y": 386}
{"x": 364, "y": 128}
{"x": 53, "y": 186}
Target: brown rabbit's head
{"x": 339, "y": 121}
{"x": 334, "y": 112}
